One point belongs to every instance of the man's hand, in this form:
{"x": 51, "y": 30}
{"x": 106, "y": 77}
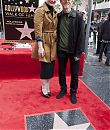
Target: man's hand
{"x": 41, "y": 52}
{"x": 76, "y": 58}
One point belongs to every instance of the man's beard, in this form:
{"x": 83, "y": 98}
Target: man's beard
{"x": 67, "y": 8}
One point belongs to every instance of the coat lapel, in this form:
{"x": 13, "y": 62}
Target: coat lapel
{"x": 48, "y": 12}
{"x": 54, "y": 14}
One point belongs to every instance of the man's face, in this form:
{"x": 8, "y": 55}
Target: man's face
{"x": 66, "y": 4}
{"x": 51, "y": 2}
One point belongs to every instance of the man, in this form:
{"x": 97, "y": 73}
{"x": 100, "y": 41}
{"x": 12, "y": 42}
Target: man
{"x": 105, "y": 39}
{"x": 45, "y": 24}
{"x": 99, "y": 30}
{"x": 70, "y": 45}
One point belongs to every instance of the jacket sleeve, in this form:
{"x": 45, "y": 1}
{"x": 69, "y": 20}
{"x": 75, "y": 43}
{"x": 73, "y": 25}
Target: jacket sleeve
{"x": 80, "y": 37}
{"x": 101, "y": 32}
{"x": 38, "y": 23}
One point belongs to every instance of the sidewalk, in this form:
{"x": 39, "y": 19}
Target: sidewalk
{"x": 97, "y": 77}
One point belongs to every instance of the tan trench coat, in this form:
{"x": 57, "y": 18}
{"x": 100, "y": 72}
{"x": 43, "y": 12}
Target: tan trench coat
{"x": 45, "y": 26}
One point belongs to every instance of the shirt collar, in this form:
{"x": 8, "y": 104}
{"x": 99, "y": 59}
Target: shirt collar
{"x": 72, "y": 13}
{"x": 47, "y": 9}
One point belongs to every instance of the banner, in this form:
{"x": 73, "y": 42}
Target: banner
{"x": 18, "y": 19}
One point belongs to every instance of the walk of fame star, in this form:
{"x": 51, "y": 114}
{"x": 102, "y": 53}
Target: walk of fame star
{"x": 25, "y": 31}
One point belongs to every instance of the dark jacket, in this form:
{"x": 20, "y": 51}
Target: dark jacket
{"x": 76, "y": 36}
{"x": 105, "y": 31}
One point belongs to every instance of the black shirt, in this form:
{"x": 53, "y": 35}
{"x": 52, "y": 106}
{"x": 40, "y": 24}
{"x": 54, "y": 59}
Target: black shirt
{"x": 50, "y": 8}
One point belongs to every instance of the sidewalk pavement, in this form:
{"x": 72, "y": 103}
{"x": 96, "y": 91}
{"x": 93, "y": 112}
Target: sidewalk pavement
{"x": 97, "y": 76}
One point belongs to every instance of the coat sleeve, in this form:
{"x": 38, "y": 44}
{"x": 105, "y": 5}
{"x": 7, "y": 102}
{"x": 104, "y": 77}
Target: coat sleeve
{"x": 101, "y": 32}
{"x": 38, "y": 23}
{"x": 80, "y": 37}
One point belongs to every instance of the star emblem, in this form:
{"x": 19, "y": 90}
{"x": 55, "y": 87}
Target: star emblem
{"x": 32, "y": 8}
{"x": 60, "y": 124}
{"x": 25, "y": 31}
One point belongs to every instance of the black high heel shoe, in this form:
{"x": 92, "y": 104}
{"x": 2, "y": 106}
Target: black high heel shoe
{"x": 49, "y": 93}
{"x": 45, "y": 95}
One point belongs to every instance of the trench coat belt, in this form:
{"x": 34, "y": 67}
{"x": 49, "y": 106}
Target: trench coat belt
{"x": 51, "y": 32}
{"x": 48, "y": 31}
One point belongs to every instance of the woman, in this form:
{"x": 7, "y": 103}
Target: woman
{"x": 45, "y": 25}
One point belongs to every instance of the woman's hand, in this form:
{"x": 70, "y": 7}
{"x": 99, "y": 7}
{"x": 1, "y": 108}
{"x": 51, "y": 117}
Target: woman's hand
{"x": 41, "y": 51}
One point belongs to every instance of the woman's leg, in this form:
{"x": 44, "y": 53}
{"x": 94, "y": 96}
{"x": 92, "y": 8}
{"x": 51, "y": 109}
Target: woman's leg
{"x": 47, "y": 70}
{"x": 44, "y": 86}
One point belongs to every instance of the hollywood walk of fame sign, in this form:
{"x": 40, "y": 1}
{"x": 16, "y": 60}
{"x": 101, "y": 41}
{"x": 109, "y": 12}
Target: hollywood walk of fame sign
{"x": 18, "y": 19}
{"x": 66, "y": 120}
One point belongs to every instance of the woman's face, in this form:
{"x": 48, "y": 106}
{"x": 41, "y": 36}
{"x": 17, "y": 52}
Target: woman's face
{"x": 51, "y": 2}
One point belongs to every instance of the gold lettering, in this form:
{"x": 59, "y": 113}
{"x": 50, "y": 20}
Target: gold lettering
{"x": 22, "y": 9}
{"x": 9, "y": 14}
{"x": 19, "y": 9}
{"x": 12, "y": 8}
{"x": 6, "y": 13}
{"x": 6, "y": 7}
{"x": 26, "y": 9}
{"x": 21, "y": 14}
{"x": 29, "y": 15}
{"x": 16, "y": 14}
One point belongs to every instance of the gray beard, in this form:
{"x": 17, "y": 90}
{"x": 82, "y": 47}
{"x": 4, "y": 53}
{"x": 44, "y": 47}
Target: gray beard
{"x": 67, "y": 11}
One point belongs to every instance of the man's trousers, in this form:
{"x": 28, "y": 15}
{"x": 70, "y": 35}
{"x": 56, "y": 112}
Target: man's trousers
{"x": 63, "y": 57}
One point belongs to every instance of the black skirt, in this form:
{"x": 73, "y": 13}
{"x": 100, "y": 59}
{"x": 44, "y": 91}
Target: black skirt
{"x": 47, "y": 70}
